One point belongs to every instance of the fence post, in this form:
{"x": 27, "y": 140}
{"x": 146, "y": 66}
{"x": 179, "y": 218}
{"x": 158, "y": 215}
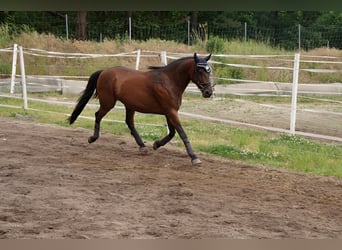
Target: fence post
{"x": 294, "y": 94}
{"x": 14, "y": 67}
{"x": 245, "y": 31}
{"x": 163, "y": 58}
{"x": 66, "y": 27}
{"x": 130, "y": 28}
{"x": 299, "y": 38}
{"x": 138, "y": 59}
{"x": 23, "y": 76}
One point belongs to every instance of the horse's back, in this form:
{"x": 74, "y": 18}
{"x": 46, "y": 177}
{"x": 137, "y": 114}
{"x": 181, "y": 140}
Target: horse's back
{"x": 115, "y": 78}
{"x": 123, "y": 74}
{"x": 135, "y": 89}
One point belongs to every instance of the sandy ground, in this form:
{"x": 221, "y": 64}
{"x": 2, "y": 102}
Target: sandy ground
{"x": 53, "y": 184}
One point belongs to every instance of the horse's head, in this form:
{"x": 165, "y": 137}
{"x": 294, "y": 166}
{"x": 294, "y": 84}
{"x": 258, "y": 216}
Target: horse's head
{"x": 201, "y": 76}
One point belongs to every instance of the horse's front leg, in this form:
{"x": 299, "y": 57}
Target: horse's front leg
{"x": 174, "y": 120}
{"x": 167, "y": 138}
{"x": 182, "y": 134}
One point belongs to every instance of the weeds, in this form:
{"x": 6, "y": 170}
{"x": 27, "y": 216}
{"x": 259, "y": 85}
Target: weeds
{"x": 215, "y": 44}
{"x": 236, "y": 153}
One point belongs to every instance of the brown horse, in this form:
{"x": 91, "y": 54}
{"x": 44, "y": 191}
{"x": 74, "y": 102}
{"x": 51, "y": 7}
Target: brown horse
{"x": 158, "y": 91}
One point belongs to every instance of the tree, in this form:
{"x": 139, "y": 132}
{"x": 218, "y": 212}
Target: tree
{"x": 3, "y": 15}
{"x": 194, "y": 20}
{"x": 81, "y": 25}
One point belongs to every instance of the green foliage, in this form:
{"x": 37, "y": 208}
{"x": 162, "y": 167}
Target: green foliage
{"x": 236, "y": 73}
{"x": 287, "y": 151}
{"x": 277, "y": 28}
{"x": 215, "y": 44}
{"x": 8, "y": 31}
{"x": 227, "y": 71}
{"x": 309, "y": 156}
{"x": 5, "y": 68}
{"x": 5, "y": 35}
{"x": 236, "y": 153}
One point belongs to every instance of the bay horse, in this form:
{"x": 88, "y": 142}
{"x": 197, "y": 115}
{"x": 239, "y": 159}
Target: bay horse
{"x": 157, "y": 91}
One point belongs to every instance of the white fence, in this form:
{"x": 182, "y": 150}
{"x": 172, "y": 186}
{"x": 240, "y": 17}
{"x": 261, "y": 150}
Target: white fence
{"x": 244, "y": 86}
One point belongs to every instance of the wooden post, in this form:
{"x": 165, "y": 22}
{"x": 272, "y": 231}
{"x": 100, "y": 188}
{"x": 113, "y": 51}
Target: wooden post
{"x": 14, "y": 67}
{"x": 163, "y": 58}
{"x": 294, "y": 94}
{"x": 23, "y": 76}
{"x": 138, "y": 59}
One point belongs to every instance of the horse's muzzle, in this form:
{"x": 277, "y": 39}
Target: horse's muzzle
{"x": 206, "y": 89}
{"x": 207, "y": 93}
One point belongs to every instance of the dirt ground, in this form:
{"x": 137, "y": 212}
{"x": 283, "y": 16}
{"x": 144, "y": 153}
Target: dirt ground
{"x": 53, "y": 184}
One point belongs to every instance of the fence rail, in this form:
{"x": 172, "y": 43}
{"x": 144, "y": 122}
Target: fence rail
{"x": 246, "y": 87}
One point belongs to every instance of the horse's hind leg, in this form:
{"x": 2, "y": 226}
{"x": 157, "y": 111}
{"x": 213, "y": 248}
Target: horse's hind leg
{"x": 130, "y": 124}
{"x": 98, "y": 117}
{"x": 96, "y": 134}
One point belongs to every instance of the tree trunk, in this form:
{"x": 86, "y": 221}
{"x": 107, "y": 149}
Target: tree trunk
{"x": 81, "y": 25}
{"x": 128, "y": 14}
{"x": 193, "y": 20}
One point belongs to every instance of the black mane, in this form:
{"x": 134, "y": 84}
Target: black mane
{"x": 175, "y": 62}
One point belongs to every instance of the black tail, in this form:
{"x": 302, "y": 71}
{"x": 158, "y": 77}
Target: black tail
{"x": 85, "y": 97}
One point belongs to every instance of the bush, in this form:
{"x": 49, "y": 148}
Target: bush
{"x": 9, "y": 31}
{"x": 215, "y": 44}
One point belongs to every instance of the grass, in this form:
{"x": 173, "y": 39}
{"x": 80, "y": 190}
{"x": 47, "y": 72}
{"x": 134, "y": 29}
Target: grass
{"x": 250, "y": 146}
{"x": 277, "y": 150}
{"x": 76, "y": 67}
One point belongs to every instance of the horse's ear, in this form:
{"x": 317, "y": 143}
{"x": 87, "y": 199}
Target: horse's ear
{"x": 195, "y": 57}
{"x": 208, "y": 57}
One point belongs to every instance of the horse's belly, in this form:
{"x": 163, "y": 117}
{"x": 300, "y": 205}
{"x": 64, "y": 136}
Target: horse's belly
{"x": 141, "y": 103}
{"x": 144, "y": 107}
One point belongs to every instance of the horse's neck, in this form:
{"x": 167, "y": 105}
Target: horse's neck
{"x": 180, "y": 76}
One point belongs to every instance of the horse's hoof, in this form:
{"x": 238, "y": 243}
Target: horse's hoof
{"x": 91, "y": 139}
{"x": 196, "y": 161}
{"x": 155, "y": 145}
{"x": 143, "y": 150}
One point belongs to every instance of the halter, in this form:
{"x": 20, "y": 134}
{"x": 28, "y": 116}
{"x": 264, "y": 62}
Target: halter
{"x": 204, "y": 66}
{"x": 207, "y": 68}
